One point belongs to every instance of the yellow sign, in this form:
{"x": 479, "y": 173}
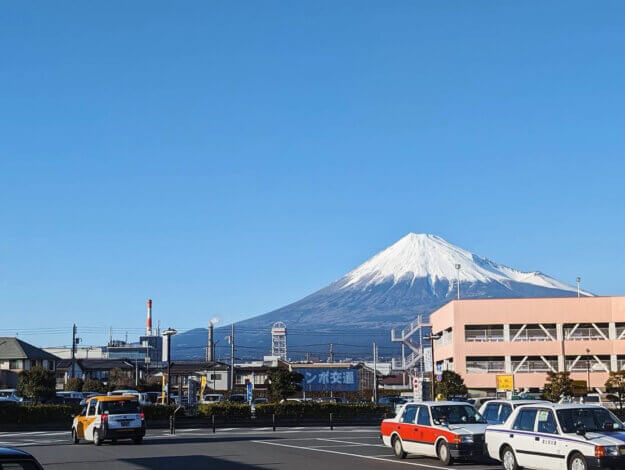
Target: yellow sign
{"x": 505, "y": 383}
{"x": 580, "y": 387}
{"x": 202, "y": 387}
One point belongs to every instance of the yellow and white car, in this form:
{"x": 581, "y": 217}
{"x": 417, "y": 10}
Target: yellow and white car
{"x": 109, "y": 418}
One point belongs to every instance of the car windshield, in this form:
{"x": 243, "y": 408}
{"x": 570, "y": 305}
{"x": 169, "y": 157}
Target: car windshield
{"x": 6, "y": 394}
{"x": 119, "y": 407}
{"x": 593, "y": 419}
{"x": 456, "y": 414}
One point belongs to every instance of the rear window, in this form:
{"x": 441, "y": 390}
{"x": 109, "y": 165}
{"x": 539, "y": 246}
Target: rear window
{"x": 119, "y": 407}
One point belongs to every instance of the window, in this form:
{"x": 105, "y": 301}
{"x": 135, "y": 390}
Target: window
{"x": 91, "y": 408}
{"x": 456, "y": 414}
{"x": 424, "y": 416}
{"x": 491, "y": 413}
{"x": 504, "y": 413}
{"x": 409, "y": 415}
{"x": 15, "y": 364}
{"x": 215, "y": 377}
{"x": 593, "y": 419}
{"x": 546, "y": 422}
{"x": 119, "y": 407}
{"x": 525, "y": 420}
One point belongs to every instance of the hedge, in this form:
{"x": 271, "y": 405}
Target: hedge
{"x": 160, "y": 412}
{"x": 619, "y": 413}
{"x": 225, "y": 410}
{"x": 322, "y": 410}
{"x": 37, "y": 414}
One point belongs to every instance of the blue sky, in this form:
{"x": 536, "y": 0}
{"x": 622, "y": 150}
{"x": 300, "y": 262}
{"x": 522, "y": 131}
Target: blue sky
{"x": 227, "y": 158}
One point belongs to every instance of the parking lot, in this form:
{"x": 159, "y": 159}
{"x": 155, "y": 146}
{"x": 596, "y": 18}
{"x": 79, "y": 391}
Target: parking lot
{"x": 189, "y": 449}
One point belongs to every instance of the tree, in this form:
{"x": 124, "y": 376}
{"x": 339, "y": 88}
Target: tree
{"x": 283, "y": 383}
{"x": 93, "y": 385}
{"x": 558, "y": 384}
{"x": 36, "y": 384}
{"x": 120, "y": 379}
{"x": 74, "y": 384}
{"x": 615, "y": 385}
{"x": 451, "y": 385}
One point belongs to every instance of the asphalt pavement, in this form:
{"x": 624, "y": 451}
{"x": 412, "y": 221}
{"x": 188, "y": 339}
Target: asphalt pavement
{"x": 236, "y": 449}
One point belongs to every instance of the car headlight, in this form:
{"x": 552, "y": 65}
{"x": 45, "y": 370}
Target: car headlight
{"x": 466, "y": 439}
{"x": 611, "y": 450}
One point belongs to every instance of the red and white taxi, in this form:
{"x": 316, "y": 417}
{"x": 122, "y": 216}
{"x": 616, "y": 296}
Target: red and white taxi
{"x": 447, "y": 430}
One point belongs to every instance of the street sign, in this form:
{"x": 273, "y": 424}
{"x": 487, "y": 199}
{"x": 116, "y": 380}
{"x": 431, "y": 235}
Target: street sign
{"x": 417, "y": 389}
{"x": 580, "y": 387}
{"x": 505, "y": 383}
{"x": 439, "y": 377}
{"x": 248, "y": 388}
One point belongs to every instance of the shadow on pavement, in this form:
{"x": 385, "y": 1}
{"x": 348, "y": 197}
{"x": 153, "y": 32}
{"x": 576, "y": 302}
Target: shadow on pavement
{"x": 188, "y": 462}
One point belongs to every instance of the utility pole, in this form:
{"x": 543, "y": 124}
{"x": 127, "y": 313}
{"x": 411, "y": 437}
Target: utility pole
{"x": 578, "y": 280}
{"x": 74, "y": 351}
{"x": 331, "y": 356}
{"x": 136, "y": 373}
{"x": 375, "y": 373}
{"x": 232, "y": 358}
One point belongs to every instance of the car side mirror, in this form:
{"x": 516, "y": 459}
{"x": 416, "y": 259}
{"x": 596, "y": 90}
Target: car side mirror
{"x": 580, "y": 429}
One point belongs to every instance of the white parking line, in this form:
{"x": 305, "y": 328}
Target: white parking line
{"x": 402, "y": 462}
{"x": 348, "y": 442}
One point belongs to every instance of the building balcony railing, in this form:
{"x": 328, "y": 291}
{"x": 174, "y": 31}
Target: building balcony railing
{"x": 480, "y": 336}
{"x": 485, "y": 367}
{"x": 531, "y": 334}
{"x": 534, "y": 366}
{"x": 584, "y": 334}
{"x": 582, "y": 366}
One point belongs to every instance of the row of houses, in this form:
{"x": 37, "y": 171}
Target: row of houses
{"x": 17, "y": 356}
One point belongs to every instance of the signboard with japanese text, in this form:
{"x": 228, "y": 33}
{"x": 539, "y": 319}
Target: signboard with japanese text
{"x": 335, "y": 380}
{"x": 505, "y": 383}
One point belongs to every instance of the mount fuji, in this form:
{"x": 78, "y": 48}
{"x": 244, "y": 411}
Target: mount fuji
{"x": 415, "y": 275}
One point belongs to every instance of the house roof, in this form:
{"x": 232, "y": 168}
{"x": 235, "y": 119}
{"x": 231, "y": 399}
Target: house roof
{"x": 96, "y": 364}
{"x": 178, "y": 367}
{"x": 14, "y": 348}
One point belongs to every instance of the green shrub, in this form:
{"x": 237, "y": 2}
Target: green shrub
{"x": 94, "y": 385}
{"x": 620, "y": 414}
{"x": 160, "y": 412}
{"x": 321, "y": 410}
{"x": 225, "y": 410}
{"x": 37, "y": 414}
{"x": 74, "y": 384}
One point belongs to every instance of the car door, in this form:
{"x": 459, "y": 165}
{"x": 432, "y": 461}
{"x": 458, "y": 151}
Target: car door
{"x": 522, "y": 437}
{"x": 425, "y": 435}
{"x": 407, "y": 427}
{"x": 548, "y": 454}
{"x": 89, "y": 419}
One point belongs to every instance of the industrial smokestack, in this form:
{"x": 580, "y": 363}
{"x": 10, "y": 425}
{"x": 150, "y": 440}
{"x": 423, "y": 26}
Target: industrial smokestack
{"x": 148, "y": 325}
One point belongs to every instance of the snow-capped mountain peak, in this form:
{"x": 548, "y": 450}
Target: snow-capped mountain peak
{"x": 429, "y": 256}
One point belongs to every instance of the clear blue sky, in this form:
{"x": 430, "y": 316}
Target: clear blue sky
{"x": 227, "y": 158}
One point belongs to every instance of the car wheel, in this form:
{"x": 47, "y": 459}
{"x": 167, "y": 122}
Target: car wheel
{"x": 398, "y": 448}
{"x": 508, "y": 460}
{"x": 444, "y": 455}
{"x": 578, "y": 462}
{"x": 97, "y": 440}
{"x": 75, "y": 439}
{"x": 137, "y": 440}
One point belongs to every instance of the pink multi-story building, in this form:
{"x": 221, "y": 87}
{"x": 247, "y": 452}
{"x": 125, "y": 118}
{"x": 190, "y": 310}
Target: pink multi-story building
{"x": 481, "y": 339}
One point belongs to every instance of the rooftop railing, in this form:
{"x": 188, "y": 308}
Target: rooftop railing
{"x": 485, "y": 367}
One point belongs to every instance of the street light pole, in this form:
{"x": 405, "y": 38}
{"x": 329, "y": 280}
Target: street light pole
{"x": 432, "y": 338}
{"x": 169, "y": 332}
{"x": 457, "y": 266}
{"x": 578, "y": 280}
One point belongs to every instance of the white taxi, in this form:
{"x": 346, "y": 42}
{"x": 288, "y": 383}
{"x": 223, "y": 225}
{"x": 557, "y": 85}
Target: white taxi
{"x": 109, "y": 418}
{"x": 547, "y": 436}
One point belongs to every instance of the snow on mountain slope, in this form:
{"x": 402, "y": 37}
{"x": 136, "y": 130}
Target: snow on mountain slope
{"x": 429, "y": 256}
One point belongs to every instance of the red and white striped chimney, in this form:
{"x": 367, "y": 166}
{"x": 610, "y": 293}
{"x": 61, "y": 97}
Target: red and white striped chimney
{"x": 148, "y": 326}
